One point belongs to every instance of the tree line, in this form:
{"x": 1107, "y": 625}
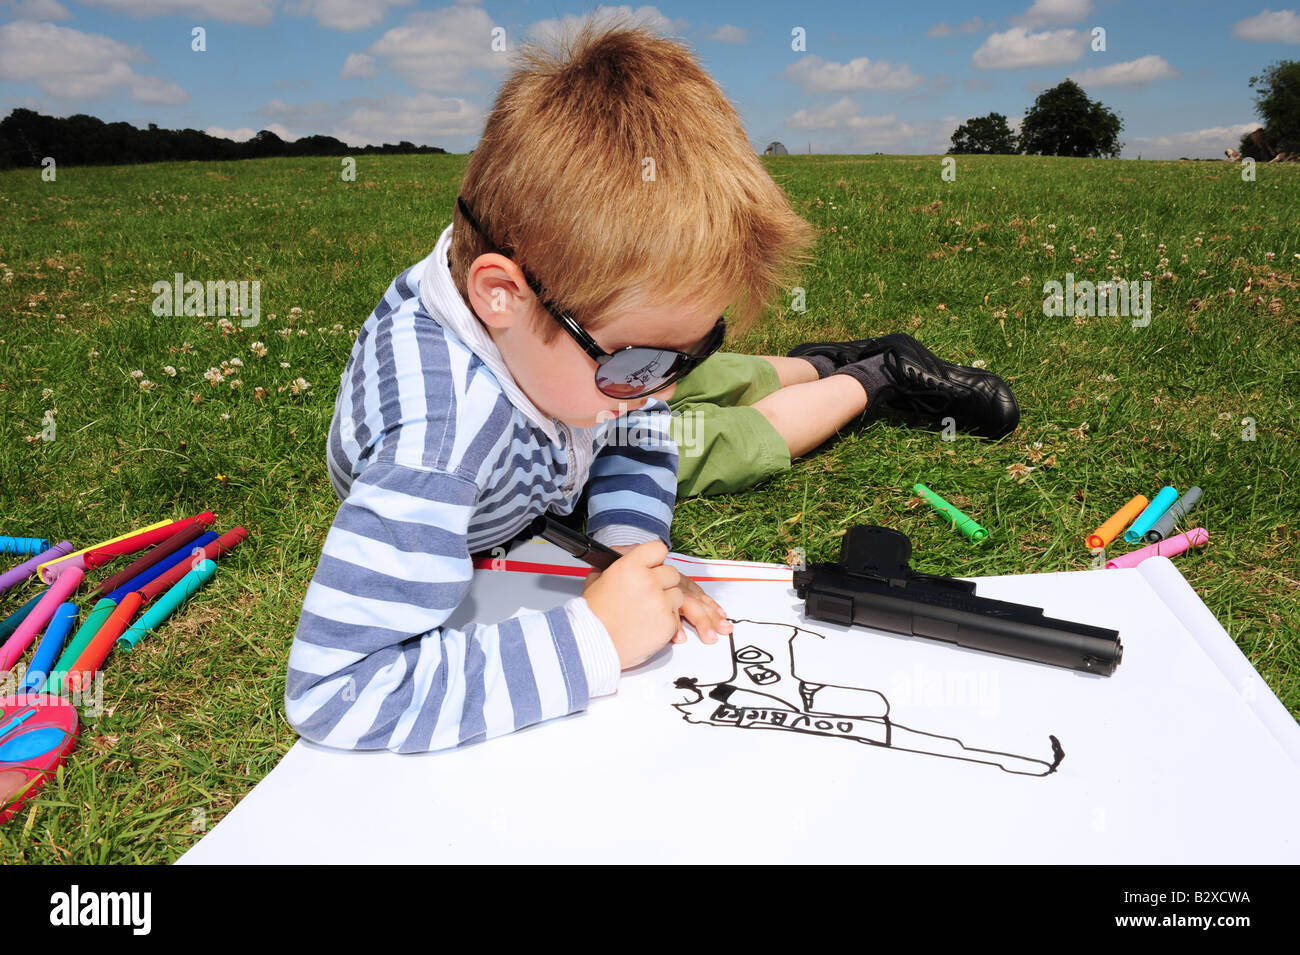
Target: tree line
{"x": 27, "y": 137}
{"x": 1064, "y": 122}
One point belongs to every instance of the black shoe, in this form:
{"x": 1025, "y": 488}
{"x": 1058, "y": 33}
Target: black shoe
{"x": 845, "y": 353}
{"x": 925, "y": 390}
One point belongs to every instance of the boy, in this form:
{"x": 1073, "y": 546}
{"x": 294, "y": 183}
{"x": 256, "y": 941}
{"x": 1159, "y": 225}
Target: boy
{"x": 473, "y": 401}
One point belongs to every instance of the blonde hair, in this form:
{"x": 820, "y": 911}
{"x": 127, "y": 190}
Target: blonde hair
{"x": 618, "y": 176}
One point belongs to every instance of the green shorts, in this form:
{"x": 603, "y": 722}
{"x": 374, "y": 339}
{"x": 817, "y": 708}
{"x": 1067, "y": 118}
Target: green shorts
{"x": 723, "y": 445}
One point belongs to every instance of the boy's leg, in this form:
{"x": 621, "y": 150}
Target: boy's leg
{"x": 724, "y": 444}
{"x": 738, "y": 419}
{"x": 792, "y": 371}
{"x": 810, "y": 413}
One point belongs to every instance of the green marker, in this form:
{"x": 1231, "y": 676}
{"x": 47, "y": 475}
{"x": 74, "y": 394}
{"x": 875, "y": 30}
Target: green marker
{"x": 965, "y": 524}
{"x": 85, "y": 633}
{"x": 166, "y": 605}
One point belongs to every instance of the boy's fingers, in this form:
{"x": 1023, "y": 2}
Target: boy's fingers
{"x": 701, "y": 617}
{"x": 650, "y": 553}
{"x": 667, "y": 577}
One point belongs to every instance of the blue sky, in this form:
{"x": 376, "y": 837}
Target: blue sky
{"x": 893, "y": 78}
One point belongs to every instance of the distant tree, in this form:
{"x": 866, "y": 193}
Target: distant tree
{"x": 1064, "y": 122}
{"x": 984, "y": 134}
{"x": 1277, "y": 100}
{"x": 26, "y": 137}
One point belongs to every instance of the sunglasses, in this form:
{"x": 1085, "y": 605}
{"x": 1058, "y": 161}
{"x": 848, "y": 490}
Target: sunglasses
{"x": 632, "y": 371}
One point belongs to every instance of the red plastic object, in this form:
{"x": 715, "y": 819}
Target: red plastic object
{"x": 138, "y": 542}
{"x": 46, "y": 737}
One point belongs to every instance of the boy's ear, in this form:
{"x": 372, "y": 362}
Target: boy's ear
{"x": 498, "y": 292}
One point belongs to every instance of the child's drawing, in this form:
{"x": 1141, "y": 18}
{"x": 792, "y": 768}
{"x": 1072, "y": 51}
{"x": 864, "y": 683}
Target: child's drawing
{"x": 766, "y": 691}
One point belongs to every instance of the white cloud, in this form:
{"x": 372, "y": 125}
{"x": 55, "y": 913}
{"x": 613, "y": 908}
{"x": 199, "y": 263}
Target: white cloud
{"x": 67, "y": 63}
{"x": 1054, "y": 13}
{"x": 850, "y": 132}
{"x": 816, "y": 75}
{"x": 348, "y": 15}
{"x": 730, "y": 34}
{"x": 1134, "y": 73}
{"x": 548, "y": 31}
{"x": 358, "y": 66}
{"x": 1269, "y": 27}
{"x": 245, "y": 133}
{"x": 1018, "y": 48}
{"x": 38, "y": 10}
{"x": 434, "y": 50}
{"x": 423, "y": 119}
{"x": 157, "y": 91}
{"x": 1207, "y": 143}
{"x": 252, "y": 12}
{"x": 970, "y": 26}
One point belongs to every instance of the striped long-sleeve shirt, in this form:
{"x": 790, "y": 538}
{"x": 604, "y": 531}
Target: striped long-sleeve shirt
{"x": 437, "y": 454}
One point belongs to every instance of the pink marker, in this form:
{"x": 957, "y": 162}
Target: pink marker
{"x": 1169, "y": 547}
{"x": 35, "y": 622}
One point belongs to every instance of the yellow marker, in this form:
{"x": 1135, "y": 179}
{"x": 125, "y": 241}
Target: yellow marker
{"x": 45, "y": 569}
{"x": 1118, "y": 521}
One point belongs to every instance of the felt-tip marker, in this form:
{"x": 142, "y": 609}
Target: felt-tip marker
{"x": 574, "y": 542}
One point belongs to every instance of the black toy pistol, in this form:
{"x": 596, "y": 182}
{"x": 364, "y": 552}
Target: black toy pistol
{"x": 873, "y": 586}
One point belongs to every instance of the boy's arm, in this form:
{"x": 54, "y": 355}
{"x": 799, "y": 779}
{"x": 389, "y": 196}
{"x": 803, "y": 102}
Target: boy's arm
{"x": 633, "y": 483}
{"x": 372, "y": 666}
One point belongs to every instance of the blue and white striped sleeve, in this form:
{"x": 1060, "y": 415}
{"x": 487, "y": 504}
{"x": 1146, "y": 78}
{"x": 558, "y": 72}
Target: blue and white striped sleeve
{"x": 371, "y": 665}
{"x": 633, "y": 483}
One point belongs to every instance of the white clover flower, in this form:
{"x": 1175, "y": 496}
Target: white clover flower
{"x": 169, "y": 371}
{"x": 258, "y": 349}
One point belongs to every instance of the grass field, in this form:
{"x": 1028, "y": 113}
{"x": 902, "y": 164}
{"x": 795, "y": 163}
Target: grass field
{"x": 193, "y": 718}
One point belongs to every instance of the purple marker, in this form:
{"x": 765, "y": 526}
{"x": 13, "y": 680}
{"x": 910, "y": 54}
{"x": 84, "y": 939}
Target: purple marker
{"x": 20, "y": 573}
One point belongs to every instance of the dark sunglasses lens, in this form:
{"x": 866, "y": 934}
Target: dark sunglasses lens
{"x": 637, "y": 371}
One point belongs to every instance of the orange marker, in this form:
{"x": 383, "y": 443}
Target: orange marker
{"x": 1118, "y": 521}
{"x": 96, "y": 651}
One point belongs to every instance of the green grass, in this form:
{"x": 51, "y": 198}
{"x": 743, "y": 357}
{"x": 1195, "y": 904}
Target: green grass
{"x": 193, "y": 718}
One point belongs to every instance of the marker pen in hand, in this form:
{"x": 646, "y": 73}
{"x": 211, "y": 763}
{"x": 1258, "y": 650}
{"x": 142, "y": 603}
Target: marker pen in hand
{"x": 575, "y": 542}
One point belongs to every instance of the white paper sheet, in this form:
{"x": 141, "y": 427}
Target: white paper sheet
{"x": 1183, "y": 755}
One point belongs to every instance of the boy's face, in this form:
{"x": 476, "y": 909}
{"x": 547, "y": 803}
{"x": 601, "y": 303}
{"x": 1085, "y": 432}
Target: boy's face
{"x": 560, "y": 378}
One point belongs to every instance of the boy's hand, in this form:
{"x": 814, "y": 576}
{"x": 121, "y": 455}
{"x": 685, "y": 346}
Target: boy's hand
{"x": 703, "y": 613}
{"x": 628, "y": 623}
{"x": 637, "y": 599}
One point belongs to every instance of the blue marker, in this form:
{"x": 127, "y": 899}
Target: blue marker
{"x": 160, "y": 568}
{"x": 56, "y": 634}
{"x": 1155, "y": 510}
{"x": 23, "y": 545}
